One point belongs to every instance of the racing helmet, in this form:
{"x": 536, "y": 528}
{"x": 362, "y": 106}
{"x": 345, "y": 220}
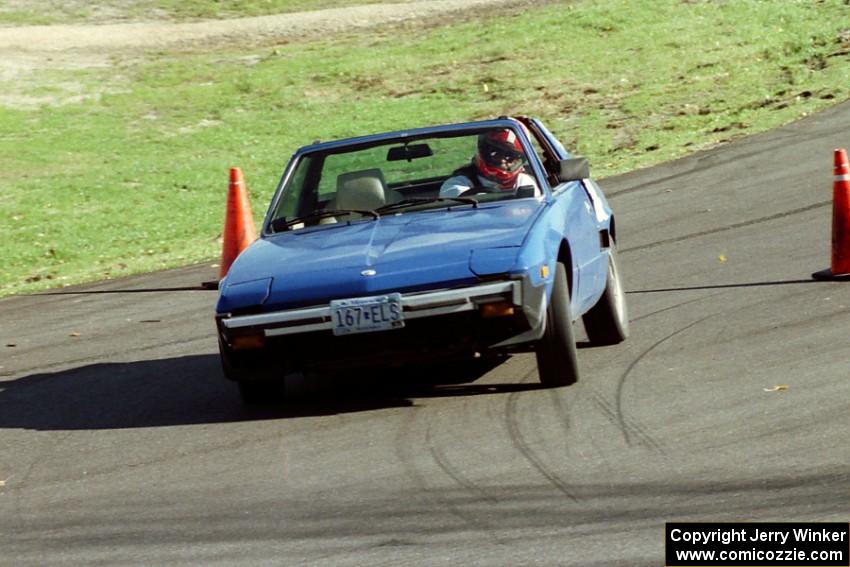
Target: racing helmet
{"x": 500, "y": 156}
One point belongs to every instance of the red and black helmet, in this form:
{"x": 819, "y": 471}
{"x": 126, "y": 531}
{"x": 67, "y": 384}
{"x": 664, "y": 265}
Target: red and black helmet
{"x": 500, "y": 156}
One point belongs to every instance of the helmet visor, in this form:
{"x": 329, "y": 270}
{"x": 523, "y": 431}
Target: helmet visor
{"x": 501, "y": 157}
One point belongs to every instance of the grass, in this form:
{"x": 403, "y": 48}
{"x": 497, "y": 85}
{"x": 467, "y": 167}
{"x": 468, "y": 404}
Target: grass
{"x": 134, "y": 178}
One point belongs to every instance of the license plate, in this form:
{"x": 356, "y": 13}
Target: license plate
{"x": 367, "y": 314}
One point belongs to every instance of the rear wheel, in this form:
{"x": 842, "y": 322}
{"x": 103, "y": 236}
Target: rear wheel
{"x": 557, "y": 360}
{"x": 257, "y": 381}
{"x": 607, "y": 322}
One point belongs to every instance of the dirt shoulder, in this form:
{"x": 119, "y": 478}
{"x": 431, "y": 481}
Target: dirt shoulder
{"x": 155, "y": 35}
{"x": 27, "y": 51}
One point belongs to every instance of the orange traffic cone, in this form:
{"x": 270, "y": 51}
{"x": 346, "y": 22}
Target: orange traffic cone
{"x": 239, "y": 229}
{"x": 840, "y": 261}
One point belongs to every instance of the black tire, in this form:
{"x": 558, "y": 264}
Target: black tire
{"x": 557, "y": 360}
{"x": 607, "y": 322}
{"x": 258, "y": 383}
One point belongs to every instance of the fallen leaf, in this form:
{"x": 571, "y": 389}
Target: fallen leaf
{"x": 74, "y": 334}
{"x": 722, "y": 258}
{"x": 777, "y": 388}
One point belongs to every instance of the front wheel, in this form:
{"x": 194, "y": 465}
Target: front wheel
{"x": 557, "y": 360}
{"x": 607, "y": 322}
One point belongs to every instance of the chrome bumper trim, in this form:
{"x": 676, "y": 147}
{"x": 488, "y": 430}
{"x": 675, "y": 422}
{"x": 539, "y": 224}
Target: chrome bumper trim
{"x": 415, "y": 306}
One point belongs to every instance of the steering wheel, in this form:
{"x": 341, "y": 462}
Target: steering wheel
{"x": 481, "y": 190}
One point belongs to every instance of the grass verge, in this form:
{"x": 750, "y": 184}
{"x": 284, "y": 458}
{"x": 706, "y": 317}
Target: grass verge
{"x": 133, "y": 178}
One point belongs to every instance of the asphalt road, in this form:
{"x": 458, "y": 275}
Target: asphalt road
{"x": 121, "y": 444}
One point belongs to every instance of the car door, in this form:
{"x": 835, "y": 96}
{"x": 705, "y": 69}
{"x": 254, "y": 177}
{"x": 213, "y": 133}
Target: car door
{"x": 577, "y": 205}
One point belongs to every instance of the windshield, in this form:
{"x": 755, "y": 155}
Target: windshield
{"x": 400, "y": 176}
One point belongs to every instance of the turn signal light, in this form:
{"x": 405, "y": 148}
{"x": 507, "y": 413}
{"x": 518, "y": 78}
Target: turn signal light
{"x": 247, "y": 342}
{"x": 499, "y": 309}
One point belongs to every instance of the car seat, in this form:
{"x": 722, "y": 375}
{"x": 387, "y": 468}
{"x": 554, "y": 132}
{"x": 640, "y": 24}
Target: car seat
{"x": 364, "y": 189}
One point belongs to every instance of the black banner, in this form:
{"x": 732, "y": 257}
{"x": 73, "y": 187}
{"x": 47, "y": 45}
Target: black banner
{"x": 741, "y": 544}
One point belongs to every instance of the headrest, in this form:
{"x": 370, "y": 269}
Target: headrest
{"x": 363, "y": 189}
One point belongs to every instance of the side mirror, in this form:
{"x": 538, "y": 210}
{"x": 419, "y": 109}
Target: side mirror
{"x": 574, "y": 169}
{"x": 525, "y": 191}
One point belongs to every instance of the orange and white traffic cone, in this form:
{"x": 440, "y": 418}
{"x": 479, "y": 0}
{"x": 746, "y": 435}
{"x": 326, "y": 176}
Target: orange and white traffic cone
{"x": 239, "y": 230}
{"x": 840, "y": 261}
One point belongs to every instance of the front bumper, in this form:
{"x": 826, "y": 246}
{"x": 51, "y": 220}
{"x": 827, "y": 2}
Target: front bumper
{"x": 437, "y": 321}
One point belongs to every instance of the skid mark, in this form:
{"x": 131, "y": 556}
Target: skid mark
{"x": 614, "y": 413}
{"x": 561, "y": 409}
{"x": 572, "y": 444}
{"x": 715, "y": 158}
{"x": 454, "y": 473}
{"x": 725, "y": 228}
{"x": 676, "y": 306}
{"x": 43, "y": 456}
{"x": 618, "y": 407}
{"x": 104, "y": 358}
{"x": 407, "y": 439}
{"x": 527, "y": 452}
{"x": 629, "y": 427}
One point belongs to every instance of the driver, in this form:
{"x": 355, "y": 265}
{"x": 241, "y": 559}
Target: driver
{"x": 498, "y": 166}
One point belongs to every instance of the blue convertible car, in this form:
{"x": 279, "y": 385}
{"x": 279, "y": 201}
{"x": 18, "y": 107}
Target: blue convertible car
{"x": 452, "y": 241}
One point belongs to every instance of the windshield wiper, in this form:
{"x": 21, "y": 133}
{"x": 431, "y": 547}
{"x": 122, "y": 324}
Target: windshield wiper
{"x": 413, "y": 201}
{"x": 284, "y": 223}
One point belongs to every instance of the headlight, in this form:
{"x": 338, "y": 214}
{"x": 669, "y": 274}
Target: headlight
{"x": 489, "y": 261}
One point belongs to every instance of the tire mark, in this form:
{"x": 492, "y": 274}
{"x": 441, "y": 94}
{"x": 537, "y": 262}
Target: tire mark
{"x": 558, "y": 405}
{"x": 564, "y": 414}
{"x": 20, "y": 509}
{"x": 452, "y": 472}
{"x": 741, "y": 224}
{"x": 404, "y": 440}
{"x": 104, "y": 358}
{"x": 40, "y": 459}
{"x": 174, "y": 457}
{"x": 614, "y": 414}
{"x": 618, "y": 406}
{"x": 627, "y": 425}
{"x": 527, "y": 452}
{"x": 560, "y": 408}
{"x": 580, "y": 399}
{"x": 676, "y": 306}
{"x": 713, "y": 158}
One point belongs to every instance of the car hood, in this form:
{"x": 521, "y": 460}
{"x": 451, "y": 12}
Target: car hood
{"x": 400, "y": 252}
